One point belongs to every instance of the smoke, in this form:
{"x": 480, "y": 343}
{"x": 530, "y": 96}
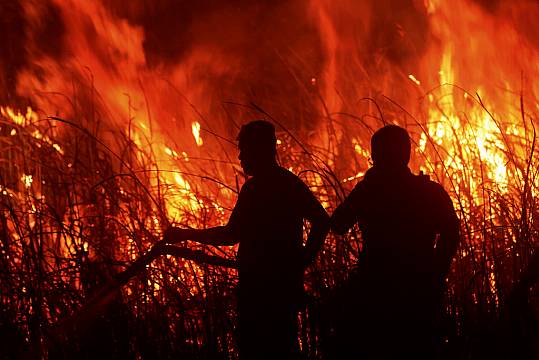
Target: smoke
{"x": 264, "y": 51}
{"x": 173, "y": 28}
{"x": 398, "y": 30}
{"x": 267, "y": 51}
{"x": 11, "y": 46}
{"x": 213, "y": 51}
{"x": 523, "y": 15}
{"x": 30, "y": 30}
{"x": 270, "y": 49}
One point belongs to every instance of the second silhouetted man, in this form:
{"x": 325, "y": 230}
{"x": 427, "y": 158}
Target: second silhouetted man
{"x": 410, "y": 232}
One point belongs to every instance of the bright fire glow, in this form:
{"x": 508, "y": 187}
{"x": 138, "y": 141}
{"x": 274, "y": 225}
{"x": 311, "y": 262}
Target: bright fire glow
{"x": 110, "y": 116}
{"x": 196, "y": 133}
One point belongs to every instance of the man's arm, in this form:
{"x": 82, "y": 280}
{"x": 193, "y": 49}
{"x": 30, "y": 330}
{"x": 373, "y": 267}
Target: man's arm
{"x": 348, "y": 212}
{"x": 227, "y": 235}
{"x": 319, "y": 220}
{"x": 216, "y": 236}
{"x": 317, "y": 216}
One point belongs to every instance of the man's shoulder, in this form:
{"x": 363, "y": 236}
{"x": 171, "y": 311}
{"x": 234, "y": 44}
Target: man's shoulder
{"x": 431, "y": 187}
{"x": 280, "y": 174}
{"x": 287, "y": 174}
{"x": 279, "y": 177}
{"x": 248, "y": 186}
{"x": 291, "y": 179}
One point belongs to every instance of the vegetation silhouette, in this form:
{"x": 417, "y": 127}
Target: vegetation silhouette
{"x": 520, "y": 316}
{"x": 267, "y": 222}
{"x": 102, "y": 334}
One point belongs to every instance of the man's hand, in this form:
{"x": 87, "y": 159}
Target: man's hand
{"x": 158, "y": 248}
{"x": 171, "y": 236}
{"x": 174, "y": 235}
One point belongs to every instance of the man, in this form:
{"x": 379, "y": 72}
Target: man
{"x": 267, "y": 221}
{"x": 410, "y": 232}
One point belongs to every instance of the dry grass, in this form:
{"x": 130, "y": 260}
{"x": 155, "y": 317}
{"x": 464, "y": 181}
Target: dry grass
{"x": 98, "y": 201}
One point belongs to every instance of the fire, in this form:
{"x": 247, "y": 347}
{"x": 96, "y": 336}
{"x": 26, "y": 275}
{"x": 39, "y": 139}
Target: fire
{"x": 414, "y": 79}
{"x": 196, "y": 133}
{"x": 27, "y": 180}
{"x": 104, "y": 145}
{"x": 17, "y": 117}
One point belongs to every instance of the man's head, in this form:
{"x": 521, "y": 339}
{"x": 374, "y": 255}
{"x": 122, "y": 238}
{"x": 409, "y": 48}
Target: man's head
{"x": 257, "y": 144}
{"x": 390, "y": 147}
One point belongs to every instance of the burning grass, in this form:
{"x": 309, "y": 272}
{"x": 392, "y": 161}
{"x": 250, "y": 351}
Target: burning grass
{"x": 81, "y": 201}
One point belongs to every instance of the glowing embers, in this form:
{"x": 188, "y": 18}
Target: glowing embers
{"x": 29, "y": 122}
{"x": 414, "y": 79}
{"x": 17, "y": 117}
{"x": 195, "y": 127}
{"x": 27, "y": 180}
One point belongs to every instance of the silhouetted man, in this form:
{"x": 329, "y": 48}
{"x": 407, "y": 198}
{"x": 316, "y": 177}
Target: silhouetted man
{"x": 267, "y": 221}
{"x": 410, "y": 232}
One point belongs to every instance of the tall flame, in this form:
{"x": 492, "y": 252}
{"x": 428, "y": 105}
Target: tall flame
{"x": 159, "y": 93}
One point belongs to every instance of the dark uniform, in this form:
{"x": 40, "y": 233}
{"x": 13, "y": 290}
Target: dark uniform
{"x": 268, "y": 222}
{"x": 410, "y": 233}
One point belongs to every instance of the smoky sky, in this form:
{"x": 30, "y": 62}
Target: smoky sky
{"x": 12, "y": 54}
{"x": 18, "y": 40}
{"x": 172, "y": 27}
{"x": 269, "y": 39}
{"x": 260, "y": 34}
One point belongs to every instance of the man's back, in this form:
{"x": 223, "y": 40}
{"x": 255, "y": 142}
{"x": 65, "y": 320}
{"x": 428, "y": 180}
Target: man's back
{"x": 408, "y": 224}
{"x": 410, "y": 233}
{"x": 268, "y": 221}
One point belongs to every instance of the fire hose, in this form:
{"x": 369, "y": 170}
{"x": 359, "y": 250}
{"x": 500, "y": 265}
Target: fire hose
{"x": 99, "y": 301}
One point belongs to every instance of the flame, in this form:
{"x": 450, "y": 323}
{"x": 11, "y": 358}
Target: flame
{"x": 27, "y": 180}
{"x": 414, "y": 79}
{"x": 196, "y": 133}
{"x": 459, "y": 77}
